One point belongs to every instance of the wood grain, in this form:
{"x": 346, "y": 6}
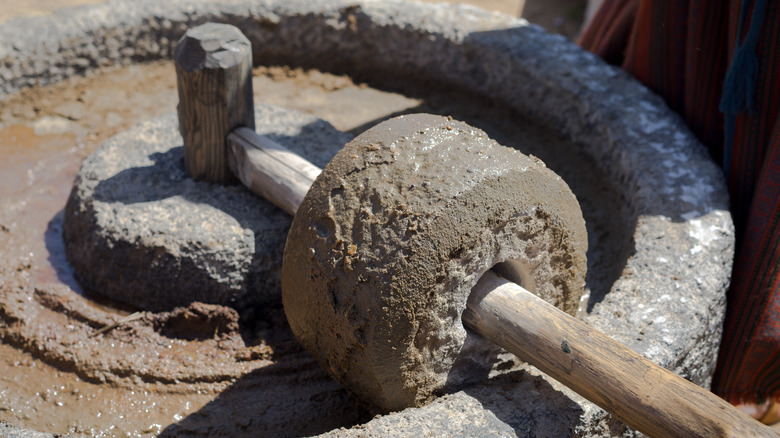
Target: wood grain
{"x": 214, "y": 75}
{"x": 269, "y": 169}
{"x": 640, "y": 393}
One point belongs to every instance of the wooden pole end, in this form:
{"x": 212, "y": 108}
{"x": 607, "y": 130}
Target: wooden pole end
{"x": 214, "y": 77}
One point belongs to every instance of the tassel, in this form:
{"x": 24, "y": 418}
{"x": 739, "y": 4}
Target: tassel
{"x": 740, "y": 83}
{"x": 739, "y": 86}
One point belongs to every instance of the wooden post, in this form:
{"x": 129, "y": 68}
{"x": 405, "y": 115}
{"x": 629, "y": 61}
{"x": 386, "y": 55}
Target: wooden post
{"x": 214, "y": 76}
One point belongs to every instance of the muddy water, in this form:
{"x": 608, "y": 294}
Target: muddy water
{"x": 59, "y": 373}
{"x": 35, "y": 394}
{"x": 45, "y": 134}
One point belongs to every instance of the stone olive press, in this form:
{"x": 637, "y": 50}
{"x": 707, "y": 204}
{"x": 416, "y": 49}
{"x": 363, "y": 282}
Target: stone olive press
{"x": 671, "y": 244}
{"x": 395, "y": 240}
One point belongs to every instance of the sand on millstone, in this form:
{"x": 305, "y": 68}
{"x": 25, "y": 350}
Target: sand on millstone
{"x": 164, "y": 240}
{"x": 394, "y": 234}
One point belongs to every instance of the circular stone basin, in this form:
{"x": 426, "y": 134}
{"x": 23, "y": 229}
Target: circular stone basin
{"x": 661, "y": 239}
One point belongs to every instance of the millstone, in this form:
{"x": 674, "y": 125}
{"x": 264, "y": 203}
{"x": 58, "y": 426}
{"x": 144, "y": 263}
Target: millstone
{"x": 409, "y": 215}
{"x": 139, "y": 231}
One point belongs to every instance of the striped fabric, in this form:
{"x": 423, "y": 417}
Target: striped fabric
{"x": 684, "y": 51}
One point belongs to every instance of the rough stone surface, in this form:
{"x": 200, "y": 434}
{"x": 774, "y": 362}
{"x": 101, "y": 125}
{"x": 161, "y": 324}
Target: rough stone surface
{"x": 669, "y": 302}
{"x": 520, "y": 403}
{"x": 8, "y": 431}
{"x": 163, "y": 240}
{"x": 394, "y": 234}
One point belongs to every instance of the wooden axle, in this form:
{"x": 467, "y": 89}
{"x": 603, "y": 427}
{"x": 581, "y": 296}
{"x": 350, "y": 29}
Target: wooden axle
{"x": 647, "y": 397}
{"x": 643, "y": 395}
{"x": 269, "y": 169}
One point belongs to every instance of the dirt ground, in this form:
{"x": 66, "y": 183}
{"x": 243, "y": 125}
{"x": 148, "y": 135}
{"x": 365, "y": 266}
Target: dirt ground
{"x": 44, "y": 135}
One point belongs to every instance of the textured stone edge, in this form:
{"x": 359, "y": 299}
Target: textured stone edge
{"x": 678, "y": 202}
{"x": 8, "y": 431}
{"x": 164, "y": 240}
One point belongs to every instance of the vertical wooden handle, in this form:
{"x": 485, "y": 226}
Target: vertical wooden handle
{"x": 214, "y": 76}
{"x": 643, "y": 395}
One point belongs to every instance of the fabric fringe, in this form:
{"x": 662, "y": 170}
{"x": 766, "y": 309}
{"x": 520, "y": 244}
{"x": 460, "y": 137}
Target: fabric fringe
{"x": 739, "y": 86}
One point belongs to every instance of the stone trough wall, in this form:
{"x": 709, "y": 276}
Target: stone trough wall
{"x": 668, "y": 304}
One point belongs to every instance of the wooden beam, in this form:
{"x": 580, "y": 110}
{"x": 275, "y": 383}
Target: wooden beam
{"x": 213, "y": 66}
{"x": 269, "y": 169}
{"x": 643, "y": 395}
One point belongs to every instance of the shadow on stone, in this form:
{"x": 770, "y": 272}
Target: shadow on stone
{"x": 55, "y": 245}
{"x": 667, "y": 293}
{"x": 271, "y": 401}
{"x": 528, "y": 404}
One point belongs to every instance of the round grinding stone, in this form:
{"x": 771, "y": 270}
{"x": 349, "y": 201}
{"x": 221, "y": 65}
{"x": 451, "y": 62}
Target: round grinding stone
{"x": 393, "y": 235}
{"x": 139, "y": 231}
